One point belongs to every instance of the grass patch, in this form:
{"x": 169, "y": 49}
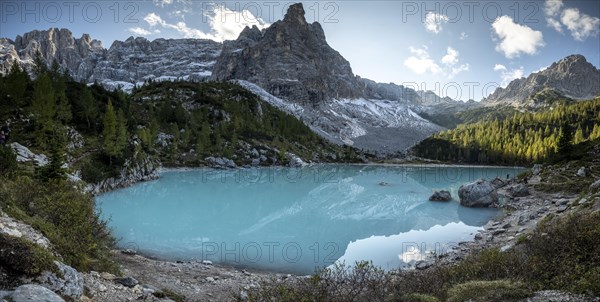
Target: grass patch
{"x": 488, "y": 291}
{"x": 169, "y": 294}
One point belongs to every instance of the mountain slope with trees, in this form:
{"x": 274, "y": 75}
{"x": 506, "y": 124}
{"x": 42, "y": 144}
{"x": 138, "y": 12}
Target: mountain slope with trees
{"x": 520, "y": 138}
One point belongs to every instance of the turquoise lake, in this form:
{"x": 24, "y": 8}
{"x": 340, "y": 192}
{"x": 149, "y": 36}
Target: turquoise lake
{"x": 296, "y": 220}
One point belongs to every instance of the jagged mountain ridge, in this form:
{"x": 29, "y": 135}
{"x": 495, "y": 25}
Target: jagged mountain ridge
{"x": 572, "y": 77}
{"x": 125, "y": 63}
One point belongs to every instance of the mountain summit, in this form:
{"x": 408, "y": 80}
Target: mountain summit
{"x": 573, "y": 77}
{"x": 290, "y": 59}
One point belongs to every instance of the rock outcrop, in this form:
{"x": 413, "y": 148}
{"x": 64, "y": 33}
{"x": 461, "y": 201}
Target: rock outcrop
{"x": 69, "y": 284}
{"x": 142, "y": 167}
{"x": 480, "y": 193}
{"x": 440, "y": 196}
{"x": 573, "y": 77}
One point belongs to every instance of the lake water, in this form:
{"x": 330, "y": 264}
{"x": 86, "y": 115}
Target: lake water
{"x": 295, "y": 220}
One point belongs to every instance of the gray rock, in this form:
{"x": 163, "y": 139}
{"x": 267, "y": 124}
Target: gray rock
{"x": 562, "y": 209}
{"x": 220, "y": 162}
{"x": 422, "y": 264}
{"x": 537, "y": 169}
{"x": 595, "y": 185}
{"x": 25, "y": 155}
{"x": 498, "y": 183}
{"x": 522, "y": 220}
{"x": 480, "y": 193}
{"x": 143, "y": 167}
{"x": 519, "y": 190}
{"x": 5, "y": 294}
{"x": 440, "y": 196}
{"x": 581, "y": 172}
{"x": 295, "y": 161}
{"x": 126, "y": 281}
{"x": 207, "y": 262}
{"x": 35, "y": 293}
{"x": 70, "y": 285}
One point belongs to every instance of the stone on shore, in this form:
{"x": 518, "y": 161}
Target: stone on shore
{"x": 478, "y": 194}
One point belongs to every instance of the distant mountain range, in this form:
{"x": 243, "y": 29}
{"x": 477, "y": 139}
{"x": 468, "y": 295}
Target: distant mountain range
{"x": 291, "y": 65}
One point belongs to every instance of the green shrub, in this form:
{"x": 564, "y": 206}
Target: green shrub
{"x": 66, "y": 216}
{"x": 169, "y": 294}
{"x": 488, "y": 291}
{"x": 8, "y": 161}
{"x": 20, "y": 256}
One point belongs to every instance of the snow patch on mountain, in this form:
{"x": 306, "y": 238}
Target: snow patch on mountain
{"x": 345, "y": 120}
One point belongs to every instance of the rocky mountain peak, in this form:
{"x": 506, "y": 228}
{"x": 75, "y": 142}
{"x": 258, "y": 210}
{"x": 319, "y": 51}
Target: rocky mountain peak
{"x": 295, "y": 14}
{"x": 291, "y": 59}
{"x": 573, "y": 77}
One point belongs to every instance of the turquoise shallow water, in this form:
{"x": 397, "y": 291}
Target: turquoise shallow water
{"x": 293, "y": 220}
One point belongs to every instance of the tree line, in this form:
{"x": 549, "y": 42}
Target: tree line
{"x": 520, "y": 138}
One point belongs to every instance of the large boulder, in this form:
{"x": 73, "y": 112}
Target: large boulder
{"x": 70, "y": 284}
{"x": 440, "y": 196}
{"x": 34, "y": 293}
{"x": 480, "y": 193}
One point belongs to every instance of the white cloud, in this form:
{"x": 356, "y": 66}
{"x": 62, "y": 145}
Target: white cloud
{"x": 554, "y": 24}
{"x": 153, "y": 19}
{"x": 434, "y": 21}
{"x": 552, "y": 10}
{"x": 498, "y": 67}
{"x": 506, "y": 76}
{"x": 553, "y": 7}
{"x": 143, "y": 32}
{"x": 541, "y": 69}
{"x": 456, "y": 70}
{"x": 463, "y": 36}
{"x": 515, "y": 38}
{"x": 451, "y": 57}
{"x": 224, "y": 23}
{"x": 581, "y": 25}
{"x": 162, "y": 3}
{"x": 421, "y": 63}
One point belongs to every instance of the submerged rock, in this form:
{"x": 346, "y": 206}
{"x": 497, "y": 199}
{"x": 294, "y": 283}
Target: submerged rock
{"x": 480, "y": 193}
{"x": 440, "y": 196}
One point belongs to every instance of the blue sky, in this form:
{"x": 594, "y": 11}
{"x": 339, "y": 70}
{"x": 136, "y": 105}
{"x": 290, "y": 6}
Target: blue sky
{"x": 460, "y": 49}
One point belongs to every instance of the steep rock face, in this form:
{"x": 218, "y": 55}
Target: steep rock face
{"x": 291, "y": 59}
{"x": 131, "y": 61}
{"x": 572, "y": 77}
{"x": 137, "y": 59}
